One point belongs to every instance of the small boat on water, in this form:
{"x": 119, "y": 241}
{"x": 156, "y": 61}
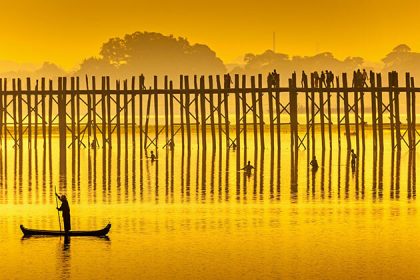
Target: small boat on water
{"x": 40, "y": 232}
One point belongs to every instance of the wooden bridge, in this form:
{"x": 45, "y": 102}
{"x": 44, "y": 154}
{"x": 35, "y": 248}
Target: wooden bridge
{"x": 91, "y": 115}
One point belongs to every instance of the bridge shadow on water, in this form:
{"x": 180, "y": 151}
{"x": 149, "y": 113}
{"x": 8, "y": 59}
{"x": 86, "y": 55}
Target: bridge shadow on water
{"x": 124, "y": 174}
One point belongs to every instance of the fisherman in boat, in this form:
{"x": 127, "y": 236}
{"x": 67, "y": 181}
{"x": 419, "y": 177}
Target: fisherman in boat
{"x": 248, "y": 167}
{"x": 314, "y": 164}
{"x": 65, "y": 208}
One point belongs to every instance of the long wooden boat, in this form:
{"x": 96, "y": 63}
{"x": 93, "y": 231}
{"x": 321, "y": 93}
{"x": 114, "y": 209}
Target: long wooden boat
{"x": 30, "y": 232}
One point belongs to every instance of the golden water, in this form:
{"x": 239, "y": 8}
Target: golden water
{"x": 194, "y": 216}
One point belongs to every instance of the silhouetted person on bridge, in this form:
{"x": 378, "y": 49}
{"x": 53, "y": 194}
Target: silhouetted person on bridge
{"x": 248, "y": 168}
{"x": 270, "y": 80}
{"x": 330, "y": 78}
{"x": 304, "y": 79}
{"x": 314, "y": 164}
{"x": 142, "y": 84}
{"x": 353, "y": 159}
{"x": 365, "y": 77}
{"x": 276, "y": 78}
{"x": 316, "y": 79}
{"x": 228, "y": 80}
{"x": 65, "y": 208}
{"x": 322, "y": 79}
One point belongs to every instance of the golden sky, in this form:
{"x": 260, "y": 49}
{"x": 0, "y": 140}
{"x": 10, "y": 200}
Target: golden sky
{"x": 66, "y": 31}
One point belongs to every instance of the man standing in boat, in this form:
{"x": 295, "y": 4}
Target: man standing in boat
{"x": 65, "y": 208}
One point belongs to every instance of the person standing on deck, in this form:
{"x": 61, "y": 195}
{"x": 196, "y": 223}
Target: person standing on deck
{"x": 65, "y": 208}
{"x": 365, "y": 77}
{"x": 316, "y": 79}
{"x": 142, "y": 84}
{"x": 304, "y": 79}
{"x": 322, "y": 79}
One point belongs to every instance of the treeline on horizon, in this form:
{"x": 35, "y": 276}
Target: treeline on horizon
{"x": 153, "y": 53}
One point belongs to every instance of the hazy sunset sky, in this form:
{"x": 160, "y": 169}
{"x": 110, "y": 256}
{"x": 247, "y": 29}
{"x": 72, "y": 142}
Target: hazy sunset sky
{"x": 66, "y": 31}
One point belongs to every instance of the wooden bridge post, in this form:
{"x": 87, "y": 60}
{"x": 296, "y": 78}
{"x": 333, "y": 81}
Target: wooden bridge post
{"x": 133, "y": 111}
{"x": 254, "y": 111}
{"x": 260, "y": 110}
{"x": 2, "y": 109}
{"x": 125, "y": 101}
{"x": 62, "y": 126}
{"x": 181, "y": 108}
{"x": 155, "y": 82}
{"x": 166, "y": 104}
{"x": 93, "y": 108}
{"x": 141, "y": 91}
{"x": 187, "y": 110}
{"x": 20, "y": 115}
{"x": 197, "y": 97}
{"x": 397, "y": 110}
{"x": 117, "y": 111}
{"x": 29, "y": 107}
{"x": 5, "y": 102}
{"x": 346, "y": 111}
{"x": 219, "y": 109}
{"x": 109, "y": 110}
{"x": 237, "y": 113}
{"x": 356, "y": 112}
{"x": 313, "y": 113}
{"x": 50, "y": 110}
{"x": 278, "y": 114}
{"x": 244, "y": 110}
{"x": 322, "y": 114}
{"x": 78, "y": 112}
{"x": 226, "y": 110}
{"x": 391, "y": 108}
{"x": 36, "y": 111}
{"x": 89, "y": 109}
{"x": 171, "y": 110}
{"x": 72, "y": 111}
{"x": 338, "y": 96}
{"x": 380, "y": 111}
{"x": 362, "y": 116}
{"x": 270, "y": 112}
{"x": 103, "y": 108}
{"x": 43, "y": 112}
{"x": 373, "y": 106}
{"x": 203, "y": 112}
{"x": 413, "y": 115}
{"x": 329, "y": 115}
{"x": 211, "y": 105}
{"x": 305, "y": 88}
{"x": 408, "y": 109}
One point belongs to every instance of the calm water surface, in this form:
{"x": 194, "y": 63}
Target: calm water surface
{"x": 192, "y": 215}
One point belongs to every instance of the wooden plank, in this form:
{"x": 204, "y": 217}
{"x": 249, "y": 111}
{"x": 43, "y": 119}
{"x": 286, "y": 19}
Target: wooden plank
{"x": 50, "y": 110}
{"x": 133, "y": 111}
{"x": 166, "y": 104}
{"x": 338, "y": 96}
{"x": 271, "y": 114}
{"x": 322, "y": 114}
{"x": 413, "y": 113}
{"x": 408, "y": 109}
{"x": 117, "y": 112}
{"x": 20, "y": 113}
{"x": 93, "y": 108}
{"x": 125, "y": 102}
{"x": 197, "y": 105}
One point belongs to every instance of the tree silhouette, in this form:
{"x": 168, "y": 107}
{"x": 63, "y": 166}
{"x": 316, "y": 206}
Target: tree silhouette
{"x": 153, "y": 54}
